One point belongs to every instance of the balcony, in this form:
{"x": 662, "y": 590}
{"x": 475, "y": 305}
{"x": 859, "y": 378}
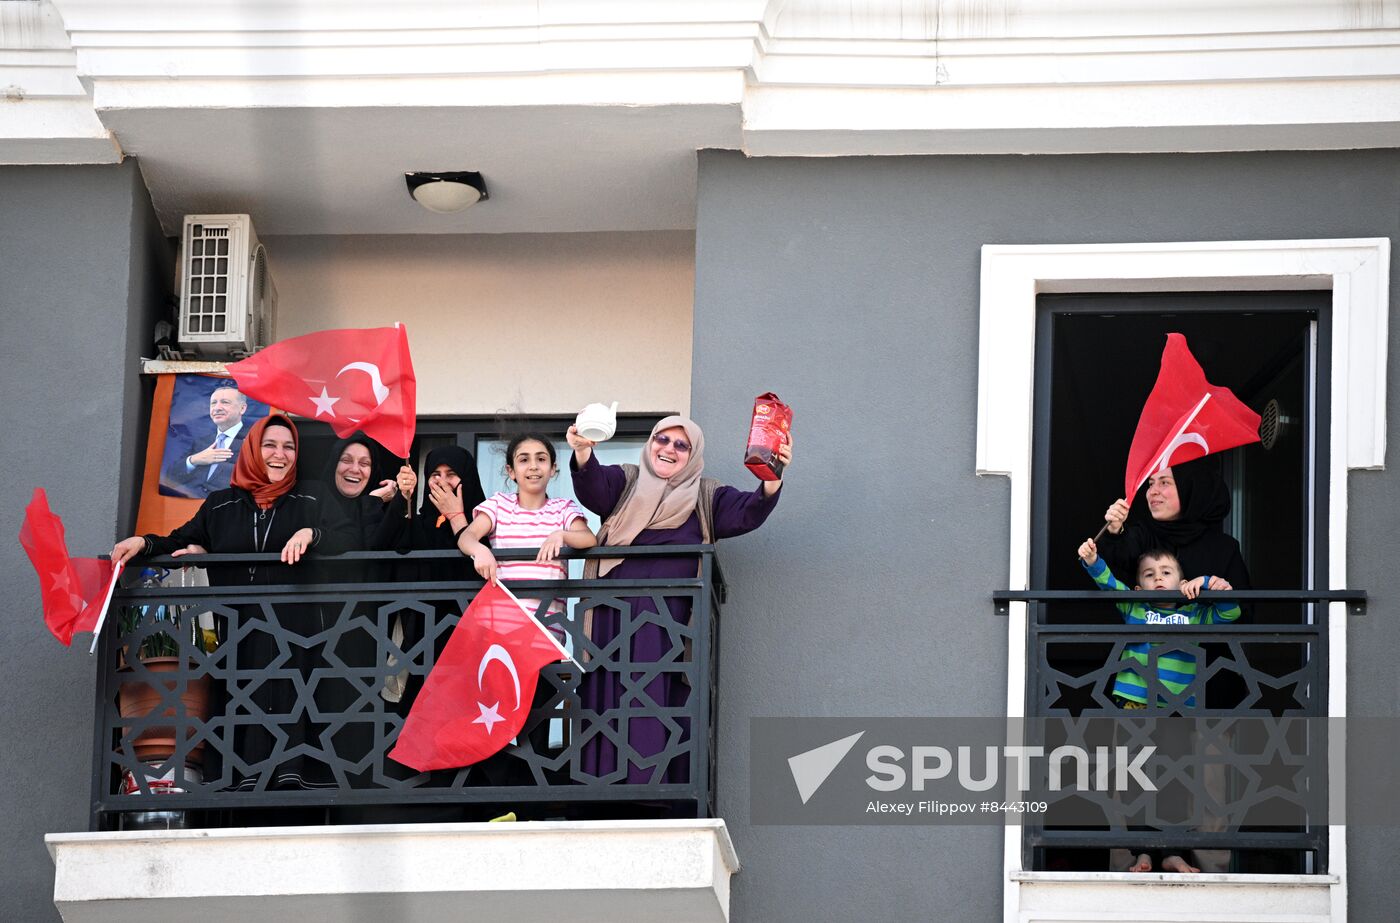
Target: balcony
{"x": 1265, "y": 676}
{"x": 269, "y": 714}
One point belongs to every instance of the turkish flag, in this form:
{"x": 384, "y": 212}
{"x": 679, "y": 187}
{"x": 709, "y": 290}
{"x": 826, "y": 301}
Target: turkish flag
{"x": 74, "y": 589}
{"x": 1185, "y": 417}
{"x": 478, "y": 695}
{"x": 355, "y": 379}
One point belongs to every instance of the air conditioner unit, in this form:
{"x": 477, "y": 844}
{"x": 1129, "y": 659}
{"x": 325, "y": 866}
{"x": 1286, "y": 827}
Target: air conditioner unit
{"x": 228, "y": 303}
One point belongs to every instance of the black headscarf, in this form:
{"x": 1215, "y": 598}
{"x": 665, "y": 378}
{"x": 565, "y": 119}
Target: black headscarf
{"x": 427, "y": 534}
{"x": 376, "y": 473}
{"x": 1197, "y": 536}
{"x": 1205, "y": 502}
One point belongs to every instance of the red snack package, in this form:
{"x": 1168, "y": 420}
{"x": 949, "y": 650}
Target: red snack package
{"x": 772, "y": 419}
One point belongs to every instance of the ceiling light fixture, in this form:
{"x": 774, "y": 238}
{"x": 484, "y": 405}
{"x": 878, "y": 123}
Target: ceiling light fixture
{"x": 446, "y": 191}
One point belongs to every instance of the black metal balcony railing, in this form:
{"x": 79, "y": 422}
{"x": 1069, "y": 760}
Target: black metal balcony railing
{"x": 295, "y": 688}
{"x": 1250, "y": 678}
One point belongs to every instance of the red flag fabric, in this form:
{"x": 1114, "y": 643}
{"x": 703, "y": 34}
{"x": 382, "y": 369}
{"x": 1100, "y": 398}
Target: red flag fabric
{"x": 354, "y": 379}
{"x": 73, "y": 589}
{"x": 478, "y": 695}
{"x": 1185, "y": 417}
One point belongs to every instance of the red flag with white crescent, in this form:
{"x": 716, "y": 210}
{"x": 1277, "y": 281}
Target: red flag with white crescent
{"x": 1185, "y": 418}
{"x": 73, "y": 589}
{"x": 478, "y": 695}
{"x": 353, "y": 379}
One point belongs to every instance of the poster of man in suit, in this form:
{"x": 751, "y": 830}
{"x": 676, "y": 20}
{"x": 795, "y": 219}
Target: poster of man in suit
{"x": 208, "y": 420}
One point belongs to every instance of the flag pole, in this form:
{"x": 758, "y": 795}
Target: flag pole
{"x": 563, "y": 654}
{"x": 106, "y": 604}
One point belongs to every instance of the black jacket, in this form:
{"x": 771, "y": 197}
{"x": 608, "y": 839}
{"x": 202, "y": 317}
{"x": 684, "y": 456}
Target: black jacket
{"x": 229, "y": 522}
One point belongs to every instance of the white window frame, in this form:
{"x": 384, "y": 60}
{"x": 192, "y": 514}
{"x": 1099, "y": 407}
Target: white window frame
{"x": 1357, "y": 271}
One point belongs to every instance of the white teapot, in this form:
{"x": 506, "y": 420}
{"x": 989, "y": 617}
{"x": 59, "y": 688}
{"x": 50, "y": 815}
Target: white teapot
{"x": 597, "y": 422}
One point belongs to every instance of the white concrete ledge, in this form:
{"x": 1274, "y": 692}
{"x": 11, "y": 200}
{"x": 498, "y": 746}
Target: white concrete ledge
{"x": 579, "y": 871}
{"x": 1204, "y": 898}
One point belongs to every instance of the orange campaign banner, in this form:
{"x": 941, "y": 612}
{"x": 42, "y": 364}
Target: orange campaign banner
{"x": 197, "y": 426}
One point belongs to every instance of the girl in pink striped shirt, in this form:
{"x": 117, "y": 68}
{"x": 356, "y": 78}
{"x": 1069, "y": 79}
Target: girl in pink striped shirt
{"x": 527, "y": 518}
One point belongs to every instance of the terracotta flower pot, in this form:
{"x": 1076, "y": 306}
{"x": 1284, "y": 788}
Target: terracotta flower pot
{"x": 137, "y": 699}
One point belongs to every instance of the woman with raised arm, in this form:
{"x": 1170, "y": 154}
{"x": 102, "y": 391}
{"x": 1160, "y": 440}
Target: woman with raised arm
{"x": 661, "y": 501}
{"x": 1185, "y": 508}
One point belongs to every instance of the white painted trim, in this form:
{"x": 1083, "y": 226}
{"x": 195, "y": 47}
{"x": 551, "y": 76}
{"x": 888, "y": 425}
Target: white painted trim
{"x": 1358, "y": 273}
{"x": 512, "y": 869}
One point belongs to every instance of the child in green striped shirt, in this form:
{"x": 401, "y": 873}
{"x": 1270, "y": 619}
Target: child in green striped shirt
{"x": 1158, "y": 569}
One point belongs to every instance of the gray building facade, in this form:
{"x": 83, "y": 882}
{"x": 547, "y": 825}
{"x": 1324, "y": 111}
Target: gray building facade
{"x": 847, "y": 285}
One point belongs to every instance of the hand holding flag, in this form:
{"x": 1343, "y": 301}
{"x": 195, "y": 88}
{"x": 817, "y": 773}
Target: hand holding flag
{"x": 356, "y": 379}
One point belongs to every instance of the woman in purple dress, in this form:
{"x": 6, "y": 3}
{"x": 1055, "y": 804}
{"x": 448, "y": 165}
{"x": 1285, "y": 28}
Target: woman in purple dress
{"x": 662, "y": 501}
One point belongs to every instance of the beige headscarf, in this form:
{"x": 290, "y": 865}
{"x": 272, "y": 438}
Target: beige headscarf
{"x": 653, "y": 502}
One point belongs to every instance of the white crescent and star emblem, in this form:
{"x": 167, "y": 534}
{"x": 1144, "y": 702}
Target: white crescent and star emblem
{"x": 1183, "y": 437}
{"x": 325, "y": 403}
{"x": 489, "y": 716}
{"x": 381, "y": 392}
{"x": 489, "y": 713}
{"x": 1180, "y": 440}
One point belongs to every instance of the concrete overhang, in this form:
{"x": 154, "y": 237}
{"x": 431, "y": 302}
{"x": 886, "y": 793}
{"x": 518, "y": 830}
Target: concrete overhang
{"x": 583, "y": 872}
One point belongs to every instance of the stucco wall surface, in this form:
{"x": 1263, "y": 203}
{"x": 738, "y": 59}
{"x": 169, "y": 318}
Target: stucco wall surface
{"x": 83, "y": 273}
{"x": 850, "y": 287}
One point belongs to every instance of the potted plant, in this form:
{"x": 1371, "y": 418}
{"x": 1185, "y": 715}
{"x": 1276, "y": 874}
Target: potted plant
{"x": 160, "y": 652}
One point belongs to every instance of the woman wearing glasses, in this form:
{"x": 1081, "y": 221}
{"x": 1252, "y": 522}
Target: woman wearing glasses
{"x": 662, "y": 501}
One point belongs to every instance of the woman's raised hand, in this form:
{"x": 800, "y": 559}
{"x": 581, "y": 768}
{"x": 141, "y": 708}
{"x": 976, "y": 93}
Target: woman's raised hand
{"x": 447, "y": 500}
{"x": 1116, "y": 515}
{"x": 128, "y": 548}
{"x": 784, "y": 456}
{"x": 385, "y": 490}
{"x": 583, "y": 448}
{"x": 297, "y": 545}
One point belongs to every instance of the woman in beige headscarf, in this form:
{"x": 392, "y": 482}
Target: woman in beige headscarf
{"x": 662, "y": 501}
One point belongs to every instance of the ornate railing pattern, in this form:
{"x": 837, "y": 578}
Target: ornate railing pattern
{"x": 1255, "y": 684}
{"x": 297, "y": 714}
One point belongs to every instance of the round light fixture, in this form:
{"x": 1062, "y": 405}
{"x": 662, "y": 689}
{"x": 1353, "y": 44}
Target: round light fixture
{"x": 446, "y": 191}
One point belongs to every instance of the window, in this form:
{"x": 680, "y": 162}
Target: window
{"x": 1097, "y": 358}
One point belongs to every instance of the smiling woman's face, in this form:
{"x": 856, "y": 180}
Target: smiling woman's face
{"x": 279, "y": 452}
{"x": 352, "y": 470}
{"x": 1163, "y": 502}
{"x": 669, "y": 450}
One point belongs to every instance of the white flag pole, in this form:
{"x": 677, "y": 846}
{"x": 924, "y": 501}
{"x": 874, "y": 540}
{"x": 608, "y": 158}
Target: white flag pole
{"x": 563, "y": 654}
{"x": 106, "y": 604}
{"x": 1172, "y": 445}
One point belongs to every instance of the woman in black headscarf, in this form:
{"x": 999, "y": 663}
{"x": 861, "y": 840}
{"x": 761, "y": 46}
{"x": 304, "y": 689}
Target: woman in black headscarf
{"x": 453, "y": 467}
{"x": 374, "y": 509}
{"x": 432, "y": 530}
{"x": 374, "y": 506}
{"x": 1180, "y": 509}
